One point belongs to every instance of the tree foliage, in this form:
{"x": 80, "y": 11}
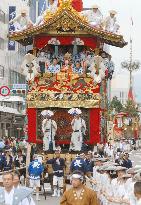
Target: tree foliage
{"x": 115, "y": 105}
{"x": 131, "y": 108}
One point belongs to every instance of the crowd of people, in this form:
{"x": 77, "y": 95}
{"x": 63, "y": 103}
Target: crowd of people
{"x": 104, "y": 176}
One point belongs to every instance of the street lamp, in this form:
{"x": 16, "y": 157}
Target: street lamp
{"x": 131, "y": 65}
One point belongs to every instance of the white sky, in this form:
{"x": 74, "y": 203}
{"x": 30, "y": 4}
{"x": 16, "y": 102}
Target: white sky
{"x": 126, "y": 9}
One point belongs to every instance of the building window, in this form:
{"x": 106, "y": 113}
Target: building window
{"x": 2, "y": 16}
{"x": 16, "y": 78}
{"x": 1, "y": 43}
{"x": 1, "y": 71}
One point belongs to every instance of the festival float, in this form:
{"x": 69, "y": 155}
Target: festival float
{"x": 68, "y": 36}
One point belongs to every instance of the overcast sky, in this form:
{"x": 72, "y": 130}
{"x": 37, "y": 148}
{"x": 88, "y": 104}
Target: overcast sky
{"x": 126, "y": 9}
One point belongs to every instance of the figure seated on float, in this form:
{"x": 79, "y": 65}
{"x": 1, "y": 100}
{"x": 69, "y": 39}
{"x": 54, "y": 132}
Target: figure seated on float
{"x": 66, "y": 66}
{"x": 22, "y": 21}
{"x": 50, "y": 9}
{"x": 94, "y": 16}
{"x": 54, "y": 67}
{"x": 77, "y": 68}
{"x": 110, "y": 23}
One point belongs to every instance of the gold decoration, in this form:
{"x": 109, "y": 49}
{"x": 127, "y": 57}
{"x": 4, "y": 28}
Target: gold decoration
{"x": 64, "y": 104}
{"x": 65, "y": 3}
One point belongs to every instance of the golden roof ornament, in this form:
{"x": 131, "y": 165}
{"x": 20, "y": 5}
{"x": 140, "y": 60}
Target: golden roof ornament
{"x": 65, "y": 3}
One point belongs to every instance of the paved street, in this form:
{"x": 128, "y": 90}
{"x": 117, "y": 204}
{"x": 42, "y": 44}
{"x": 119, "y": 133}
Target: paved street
{"x": 135, "y": 156}
{"x": 48, "y": 201}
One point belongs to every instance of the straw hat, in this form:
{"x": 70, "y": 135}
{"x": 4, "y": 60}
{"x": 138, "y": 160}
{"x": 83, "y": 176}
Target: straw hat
{"x": 120, "y": 168}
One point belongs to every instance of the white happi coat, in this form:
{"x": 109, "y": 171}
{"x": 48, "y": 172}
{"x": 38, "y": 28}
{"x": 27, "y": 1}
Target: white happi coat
{"x": 49, "y": 128}
{"x": 79, "y": 128}
{"x": 111, "y": 25}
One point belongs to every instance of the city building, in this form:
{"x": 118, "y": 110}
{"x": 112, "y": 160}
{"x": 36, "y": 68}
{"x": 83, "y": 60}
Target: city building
{"x": 37, "y": 7}
{"x": 11, "y": 56}
{"x": 120, "y": 87}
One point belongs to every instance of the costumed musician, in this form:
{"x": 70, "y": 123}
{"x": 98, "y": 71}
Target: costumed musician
{"x": 49, "y": 128}
{"x": 79, "y": 129}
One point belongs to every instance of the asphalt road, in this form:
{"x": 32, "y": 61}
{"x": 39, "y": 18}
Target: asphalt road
{"x": 135, "y": 156}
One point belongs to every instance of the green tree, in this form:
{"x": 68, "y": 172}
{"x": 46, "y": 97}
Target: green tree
{"x": 131, "y": 108}
{"x": 115, "y": 105}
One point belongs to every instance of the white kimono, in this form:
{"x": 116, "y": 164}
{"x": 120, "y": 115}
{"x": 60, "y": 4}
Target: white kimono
{"x": 79, "y": 128}
{"x": 111, "y": 25}
{"x": 20, "y": 22}
{"x": 49, "y": 128}
{"x": 95, "y": 19}
{"x": 129, "y": 187}
{"x": 9, "y": 199}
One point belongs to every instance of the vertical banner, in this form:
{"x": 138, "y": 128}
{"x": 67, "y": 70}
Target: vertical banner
{"x": 12, "y": 15}
{"x": 42, "y": 5}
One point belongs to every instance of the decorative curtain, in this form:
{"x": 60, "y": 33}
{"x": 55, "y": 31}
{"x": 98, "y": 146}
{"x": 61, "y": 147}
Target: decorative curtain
{"x": 41, "y": 41}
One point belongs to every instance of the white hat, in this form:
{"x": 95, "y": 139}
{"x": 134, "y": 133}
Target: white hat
{"x": 113, "y": 12}
{"x": 95, "y": 6}
{"x": 74, "y": 111}
{"x": 47, "y": 113}
{"x": 77, "y": 175}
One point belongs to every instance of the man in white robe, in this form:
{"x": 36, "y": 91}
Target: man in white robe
{"x": 49, "y": 128}
{"x": 94, "y": 16}
{"x": 21, "y": 21}
{"x": 11, "y": 196}
{"x": 110, "y": 22}
{"x": 79, "y": 129}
